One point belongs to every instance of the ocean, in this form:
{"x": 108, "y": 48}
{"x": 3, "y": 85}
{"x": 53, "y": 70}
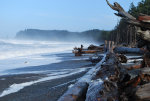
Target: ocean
{"x": 26, "y": 63}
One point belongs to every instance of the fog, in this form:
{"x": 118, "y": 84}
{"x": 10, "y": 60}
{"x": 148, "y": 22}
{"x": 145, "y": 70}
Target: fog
{"x": 92, "y": 36}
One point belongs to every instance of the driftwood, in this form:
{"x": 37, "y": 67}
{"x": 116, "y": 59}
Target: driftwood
{"x": 143, "y": 93}
{"x": 93, "y": 47}
{"x": 90, "y": 50}
{"x": 145, "y": 62}
{"x": 106, "y": 91}
{"x": 129, "y": 50}
{"x": 142, "y": 23}
{"x": 104, "y": 85}
{"x": 78, "y": 91}
{"x": 135, "y": 85}
{"x": 75, "y": 93}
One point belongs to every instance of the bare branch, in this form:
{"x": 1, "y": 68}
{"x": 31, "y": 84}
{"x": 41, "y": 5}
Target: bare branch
{"x": 121, "y": 11}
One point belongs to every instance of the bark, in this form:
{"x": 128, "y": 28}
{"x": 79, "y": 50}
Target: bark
{"x": 143, "y": 93}
{"x": 104, "y": 85}
{"x": 76, "y": 93}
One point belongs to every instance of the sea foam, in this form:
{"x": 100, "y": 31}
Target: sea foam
{"x": 17, "y": 87}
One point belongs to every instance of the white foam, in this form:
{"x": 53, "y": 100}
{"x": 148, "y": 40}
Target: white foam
{"x": 27, "y": 61}
{"x": 17, "y": 87}
{"x": 15, "y": 48}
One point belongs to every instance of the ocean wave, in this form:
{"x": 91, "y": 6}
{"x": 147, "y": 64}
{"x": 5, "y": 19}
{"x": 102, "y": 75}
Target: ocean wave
{"x": 15, "y": 48}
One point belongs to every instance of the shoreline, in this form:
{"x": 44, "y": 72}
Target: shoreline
{"x": 38, "y": 91}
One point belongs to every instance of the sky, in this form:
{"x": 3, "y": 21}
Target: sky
{"x": 72, "y": 15}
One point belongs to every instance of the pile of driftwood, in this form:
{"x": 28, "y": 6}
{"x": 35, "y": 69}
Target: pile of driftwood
{"x": 109, "y": 80}
{"x": 113, "y": 82}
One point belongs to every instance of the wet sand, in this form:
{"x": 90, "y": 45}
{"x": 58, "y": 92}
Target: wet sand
{"x": 49, "y": 90}
{"x": 44, "y": 91}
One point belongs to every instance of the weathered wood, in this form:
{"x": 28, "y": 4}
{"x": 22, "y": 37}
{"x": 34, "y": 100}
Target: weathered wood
{"x": 121, "y": 11}
{"x": 145, "y": 35}
{"x": 143, "y": 93}
{"x": 75, "y": 93}
{"x": 102, "y": 91}
{"x": 130, "y": 18}
{"x": 93, "y": 47}
{"x": 109, "y": 46}
{"x": 105, "y": 48}
{"x": 144, "y": 18}
{"x": 142, "y": 23}
{"x": 112, "y": 47}
{"x": 128, "y": 50}
{"x": 78, "y": 91}
{"x": 90, "y": 50}
{"x": 104, "y": 85}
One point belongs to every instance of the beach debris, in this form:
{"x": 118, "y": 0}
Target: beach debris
{"x": 93, "y": 47}
{"x": 90, "y": 50}
{"x": 124, "y": 50}
{"x": 114, "y": 82}
{"x": 76, "y": 93}
{"x": 143, "y": 93}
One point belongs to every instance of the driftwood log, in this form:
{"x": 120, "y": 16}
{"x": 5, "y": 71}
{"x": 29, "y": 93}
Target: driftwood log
{"x": 104, "y": 86}
{"x": 129, "y": 50}
{"x": 143, "y": 93}
{"x": 75, "y": 93}
{"x": 142, "y": 24}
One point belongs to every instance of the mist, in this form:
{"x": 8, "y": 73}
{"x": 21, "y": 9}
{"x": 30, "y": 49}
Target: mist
{"x": 91, "y": 36}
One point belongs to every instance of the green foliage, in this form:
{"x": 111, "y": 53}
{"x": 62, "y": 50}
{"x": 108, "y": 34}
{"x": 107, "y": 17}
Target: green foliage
{"x": 142, "y": 7}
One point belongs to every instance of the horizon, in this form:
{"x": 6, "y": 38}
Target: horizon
{"x": 74, "y": 16}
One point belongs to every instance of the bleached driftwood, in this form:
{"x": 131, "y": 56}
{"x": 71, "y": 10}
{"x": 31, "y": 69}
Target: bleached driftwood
{"x": 75, "y": 93}
{"x": 78, "y": 91}
{"x": 104, "y": 85}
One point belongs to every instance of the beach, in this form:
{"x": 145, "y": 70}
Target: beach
{"x": 38, "y": 70}
{"x": 48, "y": 84}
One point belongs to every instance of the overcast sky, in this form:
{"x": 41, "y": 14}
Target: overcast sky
{"x": 72, "y": 15}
